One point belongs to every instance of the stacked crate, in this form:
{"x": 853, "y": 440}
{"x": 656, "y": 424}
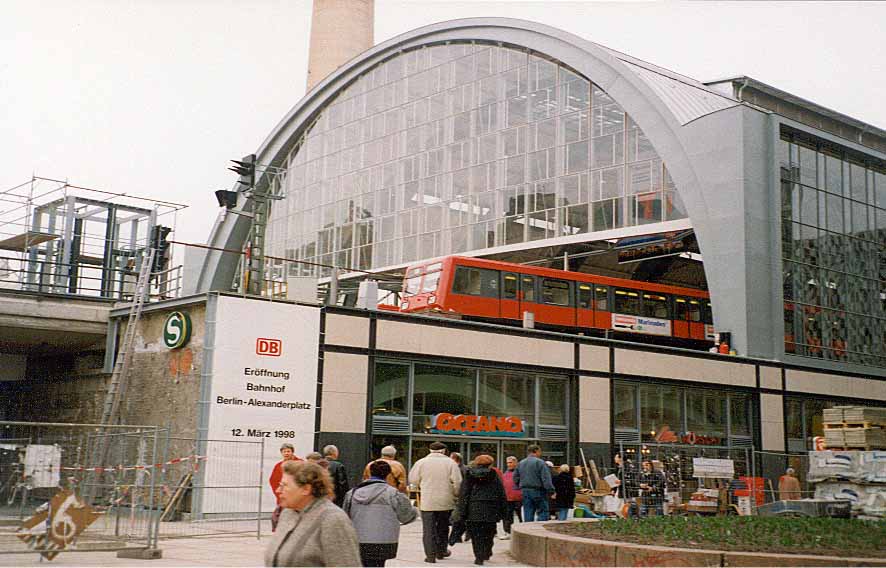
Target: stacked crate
{"x": 855, "y": 427}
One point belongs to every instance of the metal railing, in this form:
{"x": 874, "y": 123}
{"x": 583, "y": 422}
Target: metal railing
{"x": 48, "y": 277}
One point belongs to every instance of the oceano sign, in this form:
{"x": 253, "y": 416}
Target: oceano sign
{"x": 471, "y": 425}
{"x": 177, "y": 330}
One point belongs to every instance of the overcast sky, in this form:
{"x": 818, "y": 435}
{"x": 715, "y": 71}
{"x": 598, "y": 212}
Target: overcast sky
{"x": 154, "y": 97}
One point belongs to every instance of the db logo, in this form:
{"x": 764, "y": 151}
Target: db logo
{"x": 269, "y": 347}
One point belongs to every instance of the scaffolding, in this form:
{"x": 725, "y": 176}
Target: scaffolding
{"x": 59, "y": 238}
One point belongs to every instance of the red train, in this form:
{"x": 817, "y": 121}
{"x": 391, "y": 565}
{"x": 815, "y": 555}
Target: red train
{"x": 496, "y": 291}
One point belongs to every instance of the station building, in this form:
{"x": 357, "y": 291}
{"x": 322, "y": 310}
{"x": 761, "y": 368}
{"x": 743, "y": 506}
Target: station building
{"x": 511, "y": 140}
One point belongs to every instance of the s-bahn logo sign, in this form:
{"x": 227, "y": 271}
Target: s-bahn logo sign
{"x": 470, "y": 425}
{"x": 177, "y": 330}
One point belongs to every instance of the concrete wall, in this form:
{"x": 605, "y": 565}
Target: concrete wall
{"x": 340, "y": 30}
{"x": 164, "y": 384}
{"x": 64, "y": 388}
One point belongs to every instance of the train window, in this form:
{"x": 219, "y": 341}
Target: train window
{"x": 681, "y": 309}
{"x": 475, "y": 282}
{"x": 655, "y": 306}
{"x": 527, "y": 285}
{"x": 585, "y": 295}
{"x": 555, "y": 292}
{"x": 707, "y": 313}
{"x": 694, "y": 310}
{"x": 431, "y": 281}
{"x": 627, "y": 302}
{"x": 601, "y": 298}
{"x": 509, "y": 286}
{"x": 413, "y": 285}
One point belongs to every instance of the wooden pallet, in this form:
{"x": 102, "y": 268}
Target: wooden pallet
{"x": 851, "y": 425}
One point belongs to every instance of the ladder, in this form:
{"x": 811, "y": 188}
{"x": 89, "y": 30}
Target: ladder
{"x": 120, "y": 374}
{"x": 124, "y": 355}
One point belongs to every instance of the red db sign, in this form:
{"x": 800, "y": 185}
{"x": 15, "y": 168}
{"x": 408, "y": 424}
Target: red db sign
{"x": 269, "y": 347}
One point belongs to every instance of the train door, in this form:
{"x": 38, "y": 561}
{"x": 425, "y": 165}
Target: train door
{"x": 584, "y": 296}
{"x": 696, "y": 319}
{"x": 510, "y": 296}
{"x": 681, "y": 317}
{"x": 528, "y": 295}
{"x": 602, "y": 307}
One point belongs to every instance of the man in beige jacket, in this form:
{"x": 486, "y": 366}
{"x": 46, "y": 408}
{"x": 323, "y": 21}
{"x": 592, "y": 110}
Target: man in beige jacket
{"x": 439, "y": 481}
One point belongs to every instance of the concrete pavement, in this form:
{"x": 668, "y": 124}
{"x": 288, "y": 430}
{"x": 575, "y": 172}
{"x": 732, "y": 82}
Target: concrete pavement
{"x": 248, "y": 551}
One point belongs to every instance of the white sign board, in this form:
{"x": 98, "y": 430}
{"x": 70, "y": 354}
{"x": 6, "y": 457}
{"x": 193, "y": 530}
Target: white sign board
{"x": 713, "y": 468}
{"x": 264, "y": 388}
{"x": 638, "y": 324}
{"x": 42, "y": 465}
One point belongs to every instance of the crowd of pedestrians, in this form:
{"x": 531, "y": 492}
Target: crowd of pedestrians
{"x": 321, "y": 521}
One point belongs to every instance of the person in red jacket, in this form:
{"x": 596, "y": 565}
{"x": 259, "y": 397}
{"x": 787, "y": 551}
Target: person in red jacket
{"x": 514, "y": 495}
{"x": 288, "y": 452}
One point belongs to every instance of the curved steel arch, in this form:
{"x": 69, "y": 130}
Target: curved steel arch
{"x": 702, "y": 145}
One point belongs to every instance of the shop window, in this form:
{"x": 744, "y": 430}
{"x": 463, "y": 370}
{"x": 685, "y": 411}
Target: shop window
{"x": 625, "y": 414}
{"x": 553, "y": 394}
{"x": 601, "y": 298}
{"x": 660, "y": 407}
{"x": 627, "y": 302}
{"x": 439, "y": 388}
{"x": 390, "y": 390}
{"x": 740, "y": 415}
{"x": 555, "y": 292}
{"x": 655, "y": 306}
{"x": 476, "y": 282}
{"x": 507, "y": 394}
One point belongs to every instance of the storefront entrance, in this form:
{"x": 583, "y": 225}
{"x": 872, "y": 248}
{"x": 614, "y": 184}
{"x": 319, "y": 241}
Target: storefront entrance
{"x": 469, "y": 449}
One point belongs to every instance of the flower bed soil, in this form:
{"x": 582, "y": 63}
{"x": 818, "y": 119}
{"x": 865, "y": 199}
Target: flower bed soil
{"x": 825, "y": 536}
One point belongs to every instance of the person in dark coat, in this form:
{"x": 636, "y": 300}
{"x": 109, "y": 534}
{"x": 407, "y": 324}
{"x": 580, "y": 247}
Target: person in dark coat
{"x": 482, "y": 503}
{"x": 338, "y": 473}
{"x": 564, "y": 496}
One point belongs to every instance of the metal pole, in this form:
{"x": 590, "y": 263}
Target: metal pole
{"x": 261, "y": 477}
{"x": 154, "y": 511}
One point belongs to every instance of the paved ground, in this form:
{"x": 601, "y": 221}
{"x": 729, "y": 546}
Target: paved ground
{"x": 248, "y": 551}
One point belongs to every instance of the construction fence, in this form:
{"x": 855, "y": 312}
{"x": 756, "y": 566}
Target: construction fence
{"x": 755, "y": 474}
{"x": 77, "y": 487}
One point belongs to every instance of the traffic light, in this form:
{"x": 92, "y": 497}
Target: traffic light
{"x": 245, "y": 168}
{"x": 227, "y": 199}
{"x": 162, "y": 247}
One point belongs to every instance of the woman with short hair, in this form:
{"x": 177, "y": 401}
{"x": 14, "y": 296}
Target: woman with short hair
{"x": 564, "y": 496}
{"x": 312, "y": 531}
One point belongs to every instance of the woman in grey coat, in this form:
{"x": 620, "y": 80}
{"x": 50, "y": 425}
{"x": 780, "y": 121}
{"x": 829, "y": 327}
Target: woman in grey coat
{"x": 377, "y": 511}
{"x": 312, "y": 531}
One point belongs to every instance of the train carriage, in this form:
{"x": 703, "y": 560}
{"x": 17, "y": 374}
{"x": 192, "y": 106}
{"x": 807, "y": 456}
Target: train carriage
{"x": 495, "y": 291}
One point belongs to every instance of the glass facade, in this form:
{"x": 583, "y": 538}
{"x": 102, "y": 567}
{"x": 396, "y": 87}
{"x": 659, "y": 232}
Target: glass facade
{"x": 646, "y": 412}
{"x": 406, "y": 397}
{"x": 455, "y": 147}
{"x": 833, "y": 219}
{"x": 804, "y": 419}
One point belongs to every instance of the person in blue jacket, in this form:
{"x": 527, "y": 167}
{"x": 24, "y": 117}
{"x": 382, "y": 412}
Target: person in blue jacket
{"x": 533, "y": 477}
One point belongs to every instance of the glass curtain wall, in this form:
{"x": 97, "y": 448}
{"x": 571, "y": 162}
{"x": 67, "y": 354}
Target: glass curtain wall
{"x": 647, "y": 412}
{"x": 833, "y": 218}
{"x": 406, "y": 397}
{"x": 804, "y": 419}
{"x": 463, "y": 146}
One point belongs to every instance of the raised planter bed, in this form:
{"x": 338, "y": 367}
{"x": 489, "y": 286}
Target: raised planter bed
{"x": 551, "y": 544}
